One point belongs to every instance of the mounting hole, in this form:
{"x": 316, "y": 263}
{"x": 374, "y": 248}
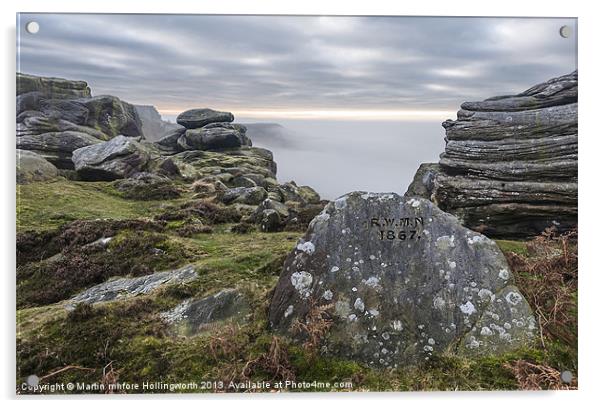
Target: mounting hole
{"x": 565, "y": 31}
{"x": 32, "y": 27}
{"x": 566, "y": 377}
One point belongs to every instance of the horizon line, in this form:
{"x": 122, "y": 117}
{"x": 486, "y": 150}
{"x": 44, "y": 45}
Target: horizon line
{"x": 349, "y": 114}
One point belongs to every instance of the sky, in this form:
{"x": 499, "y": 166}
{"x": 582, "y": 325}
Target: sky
{"x": 296, "y": 67}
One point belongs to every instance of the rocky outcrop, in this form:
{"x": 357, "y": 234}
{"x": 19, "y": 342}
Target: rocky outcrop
{"x": 101, "y": 139}
{"x": 510, "y": 163}
{"x": 47, "y": 108}
{"x": 32, "y": 167}
{"x": 402, "y": 282}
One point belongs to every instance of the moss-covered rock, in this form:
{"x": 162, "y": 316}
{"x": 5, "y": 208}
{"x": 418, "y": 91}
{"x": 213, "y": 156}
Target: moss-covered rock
{"x": 148, "y": 186}
{"x": 52, "y": 87}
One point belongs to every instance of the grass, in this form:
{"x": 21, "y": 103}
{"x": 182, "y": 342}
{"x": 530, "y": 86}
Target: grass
{"x": 43, "y": 206}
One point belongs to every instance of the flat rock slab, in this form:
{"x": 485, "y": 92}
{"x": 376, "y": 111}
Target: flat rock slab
{"x": 192, "y": 317}
{"x": 197, "y": 118}
{"x": 402, "y": 281}
{"x": 128, "y": 287}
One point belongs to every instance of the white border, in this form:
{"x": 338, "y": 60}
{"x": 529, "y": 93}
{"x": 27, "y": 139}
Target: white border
{"x": 589, "y": 176}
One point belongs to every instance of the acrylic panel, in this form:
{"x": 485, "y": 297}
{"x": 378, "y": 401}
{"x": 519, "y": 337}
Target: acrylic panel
{"x": 222, "y": 203}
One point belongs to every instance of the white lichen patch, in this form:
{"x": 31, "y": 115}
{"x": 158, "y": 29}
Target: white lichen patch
{"x": 472, "y": 343}
{"x": 513, "y": 298}
{"x": 439, "y": 303}
{"x": 359, "y": 304}
{"x": 486, "y": 294}
{"x": 372, "y": 257}
{"x": 486, "y": 331}
{"x": 477, "y": 239}
{"x": 288, "y": 311}
{"x": 327, "y": 295}
{"x": 413, "y": 202}
{"x": 374, "y": 312}
{"x": 301, "y": 281}
{"x": 431, "y": 341}
{"x": 334, "y": 269}
{"x": 451, "y": 264}
{"x": 372, "y": 282}
{"x": 340, "y": 203}
{"x": 468, "y": 308}
{"x": 397, "y": 325}
{"x": 341, "y": 308}
{"x": 504, "y": 274}
{"x": 307, "y": 247}
{"x": 445, "y": 242}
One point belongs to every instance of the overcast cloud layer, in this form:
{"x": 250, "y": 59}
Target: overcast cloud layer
{"x": 242, "y": 63}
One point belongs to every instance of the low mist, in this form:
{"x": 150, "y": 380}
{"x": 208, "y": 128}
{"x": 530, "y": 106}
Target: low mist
{"x": 336, "y": 157}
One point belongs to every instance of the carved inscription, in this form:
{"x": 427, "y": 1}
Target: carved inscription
{"x": 403, "y": 229}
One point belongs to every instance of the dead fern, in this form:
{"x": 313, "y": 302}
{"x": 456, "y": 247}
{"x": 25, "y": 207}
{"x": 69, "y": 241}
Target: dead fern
{"x": 548, "y": 278}
{"x": 314, "y": 326}
{"x": 538, "y": 377}
{"x": 275, "y": 362}
{"x": 110, "y": 378}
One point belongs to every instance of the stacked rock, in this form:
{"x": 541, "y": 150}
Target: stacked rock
{"x": 206, "y": 129}
{"x": 510, "y": 164}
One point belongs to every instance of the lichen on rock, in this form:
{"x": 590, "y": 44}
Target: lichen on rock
{"x": 406, "y": 282}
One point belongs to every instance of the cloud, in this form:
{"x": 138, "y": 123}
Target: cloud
{"x": 298, "y": 63}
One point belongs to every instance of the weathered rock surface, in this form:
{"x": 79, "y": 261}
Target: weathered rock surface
{"x": 225, "y": 164}
{"x": 402, "y": 281}
{"x": 197, "y": 118}
{"x": 244, "y": 195}
{"x": 57, "y": 147}
{"x": 192, "y": 317}
{"x": 510, "y": 164}
{"x": 169, "y": 141}
{"x": 120, "y": 157}
{"x": 128, "y": 287}
{"x": 112, "y": 116}
{"x": 32, "y": 167}
{"x": 424, "y": 180}
{"x": 52, "y": 87}
{"x": 54, "y": 105}
{"x": 147, "y": 186}
{"x": 212, "y": 138}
